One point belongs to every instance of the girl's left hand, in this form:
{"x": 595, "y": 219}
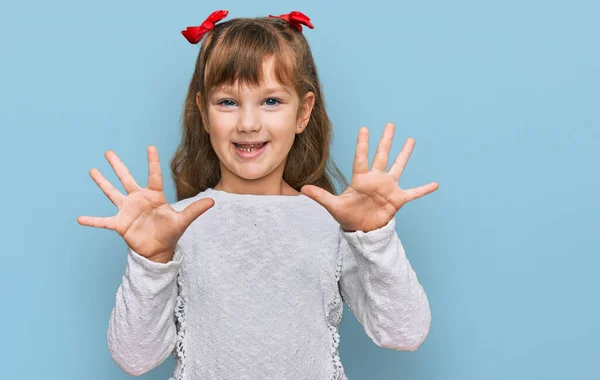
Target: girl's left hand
{"x": 373, "y": 197}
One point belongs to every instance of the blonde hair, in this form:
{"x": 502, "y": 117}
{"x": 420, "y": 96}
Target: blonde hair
{"x": 232, "y": 51}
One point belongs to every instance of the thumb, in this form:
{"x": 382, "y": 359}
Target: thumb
{"x": 194, "y": 210}
{"x": 319, "y": 195}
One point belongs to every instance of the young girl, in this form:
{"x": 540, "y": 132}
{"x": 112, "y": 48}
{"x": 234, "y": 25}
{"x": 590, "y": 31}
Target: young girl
{"x": 244, "y": 276}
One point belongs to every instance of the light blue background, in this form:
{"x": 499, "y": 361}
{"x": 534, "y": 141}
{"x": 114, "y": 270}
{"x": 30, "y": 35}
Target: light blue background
{"x": 502, "y": 99}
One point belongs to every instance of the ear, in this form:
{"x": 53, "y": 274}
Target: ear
{"x": 306, "y": 108}
{"x": 199, "y": 104}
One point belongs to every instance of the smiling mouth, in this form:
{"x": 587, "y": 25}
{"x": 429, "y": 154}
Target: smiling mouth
{"x": 250, "y": 147}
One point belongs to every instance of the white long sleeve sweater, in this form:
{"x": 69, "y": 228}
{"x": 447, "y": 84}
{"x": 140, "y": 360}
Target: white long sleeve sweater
{"x": 255, "y": 291}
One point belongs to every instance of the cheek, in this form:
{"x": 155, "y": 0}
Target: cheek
{"x": 220, "y": 119}
{"x": 284, "y": 139}
{"x": 218, "y": 137}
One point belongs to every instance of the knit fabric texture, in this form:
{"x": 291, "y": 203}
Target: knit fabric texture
{"x": 255, "y": 291}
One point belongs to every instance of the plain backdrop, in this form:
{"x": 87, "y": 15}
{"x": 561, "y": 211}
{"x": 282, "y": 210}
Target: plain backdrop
{"x": 502, "y": 99}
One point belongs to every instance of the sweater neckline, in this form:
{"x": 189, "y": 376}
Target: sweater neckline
{"x": 254, "y": 198}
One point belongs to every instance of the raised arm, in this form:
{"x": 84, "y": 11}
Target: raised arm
{"x": 141, "y": 331}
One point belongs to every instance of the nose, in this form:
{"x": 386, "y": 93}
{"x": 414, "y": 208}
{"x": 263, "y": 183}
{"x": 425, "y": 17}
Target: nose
{"x": 249, "y": 120}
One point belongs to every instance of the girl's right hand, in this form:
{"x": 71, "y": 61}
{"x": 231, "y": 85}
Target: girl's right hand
{"x": 149, "y": 225}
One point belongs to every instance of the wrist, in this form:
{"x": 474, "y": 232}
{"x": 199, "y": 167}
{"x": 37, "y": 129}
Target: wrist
{"x": 162, "y": 258}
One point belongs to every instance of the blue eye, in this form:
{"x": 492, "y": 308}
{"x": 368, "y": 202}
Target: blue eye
{"x": 271, "y": 102}
{"x": 276, "y": 100}
{"x": 226, "y": 100}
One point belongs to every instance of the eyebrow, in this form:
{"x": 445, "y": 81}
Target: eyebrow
{"x": 277, "y": 89}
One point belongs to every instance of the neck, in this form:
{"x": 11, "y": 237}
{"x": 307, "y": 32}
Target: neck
{"x": 256, "y": 188}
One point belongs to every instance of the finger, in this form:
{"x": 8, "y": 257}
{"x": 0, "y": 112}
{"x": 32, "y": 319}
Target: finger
{"x": 400, "y": 163}
{"x": 320, "y": 195}
{"x": 380, "y": 160}
{"x": 418, "y": 192}
{"x": 154, "y": 171}
{"x": 98, "y": 222}
{"x": 361, "y": 156}
{"x": 107, "y": 188}
{"x": 193, "y": 211}
{"x": 121, "y": 171}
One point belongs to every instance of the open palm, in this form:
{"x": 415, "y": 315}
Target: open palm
{"x": 145, "y": 220}
{"x": 373, "y": 196}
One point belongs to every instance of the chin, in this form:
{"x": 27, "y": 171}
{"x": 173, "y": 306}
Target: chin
{"x": 250, "y": 172}
{"x": 251, "y": 176}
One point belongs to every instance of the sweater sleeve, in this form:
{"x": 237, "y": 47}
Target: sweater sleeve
{"x": 382, "y": 289}
{"x": 141, "y": 331}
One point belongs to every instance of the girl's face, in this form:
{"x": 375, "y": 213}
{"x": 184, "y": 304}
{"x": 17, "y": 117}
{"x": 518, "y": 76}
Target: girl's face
{"x": 270, "y": 115}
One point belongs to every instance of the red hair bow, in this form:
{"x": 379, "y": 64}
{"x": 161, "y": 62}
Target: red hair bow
{"x": 296, "y": 18}
{"x": 195, "y": 33}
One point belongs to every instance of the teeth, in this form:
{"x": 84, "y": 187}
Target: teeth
{"x": 247, "y": 149}
{"x": 250, "y": 149}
